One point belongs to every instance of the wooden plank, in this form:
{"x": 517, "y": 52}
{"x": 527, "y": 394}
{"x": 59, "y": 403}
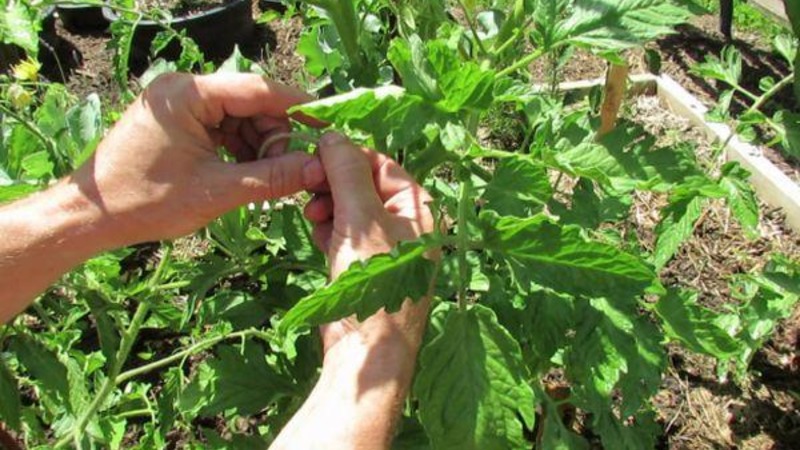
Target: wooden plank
{"x": 772, "y": 185}
{"x": 774, "y": 9}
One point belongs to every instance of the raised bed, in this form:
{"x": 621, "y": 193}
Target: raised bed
{"x": 773, "y": 186}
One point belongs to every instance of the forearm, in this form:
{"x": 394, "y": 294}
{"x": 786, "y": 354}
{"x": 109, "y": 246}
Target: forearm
{"x": 356, "y": 402}
{"x": 41, "y": 238}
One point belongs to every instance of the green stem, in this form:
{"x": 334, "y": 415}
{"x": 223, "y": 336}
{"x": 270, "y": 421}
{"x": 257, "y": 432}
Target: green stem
{"x": 128, "y": 339}
{"x": 472, "y": 28}
{"x": 513, "y": 39}
{"x": 188, "y": 351}
{"x": 521, "y": 64}
{"x": 464, "y": 206}
{"x": 134, "y": 413}
{"x": 771, "y": 93}
{"x": 49, "y": 143}
{"x": 746, "y": 93}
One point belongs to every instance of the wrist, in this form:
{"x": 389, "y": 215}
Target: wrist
{"x": 65, "y": 220}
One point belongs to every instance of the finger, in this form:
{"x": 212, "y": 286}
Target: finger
{"x": 272, "y": 178}
{"x": 319, "y": 209}
{"x": 349, "y": 174}
{"x": 322, "y": 235}
{"x": 250, "y": 135}
{"x": 244, "y": 95}
{"x": 390, "y": 178}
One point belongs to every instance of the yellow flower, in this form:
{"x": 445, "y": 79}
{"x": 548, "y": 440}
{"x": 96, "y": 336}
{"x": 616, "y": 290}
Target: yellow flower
{"x": 19, "y": 96}
{"x": 27, "y": 70}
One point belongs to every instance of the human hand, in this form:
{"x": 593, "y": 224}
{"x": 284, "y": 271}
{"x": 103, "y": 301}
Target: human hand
{"x": 369, "y": 204}
{"x": 157, "y": 174}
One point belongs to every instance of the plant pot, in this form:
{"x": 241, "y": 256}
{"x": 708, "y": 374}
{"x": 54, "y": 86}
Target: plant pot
{"x": 216, "y": 31}
{"x": 275, "y": 5}
{"x": 82, "y": 18}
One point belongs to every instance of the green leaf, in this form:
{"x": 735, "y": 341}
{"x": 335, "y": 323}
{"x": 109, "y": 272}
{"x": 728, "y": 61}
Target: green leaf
{"x": 241, "y": 309}
{"x": 319, "y": 46}
{"x": 623, "y": 160}
{"x": 641, "y": 433}
{"x": 20, "y": 26}
{"x": 789, "y": 123}
{"x": 606, "y": 25}
{"x": 409, "y": 58}
{"x": 684, "y": 320}
{"x": 390, "y": 114}
{"x": 555, "y": 436}
{"x": 472, "y": 386}
{"x": 237, "y": 380}
{"x": 10, "y": 404}
{"x": 383, "y": 281}
{"x": 43, "y": 366}
{"x": 37, "y": 165}
{"x": 740, "y": 197}
{"x": 614, "y": 353}
{"x": 727, "y": 69}
{"x": 542, "y": 252}
{"x": 519, "y": 187}
{"x": 676, "y": 226}
{"x": 590, "y": 206}
{"x": 106, "y": 327}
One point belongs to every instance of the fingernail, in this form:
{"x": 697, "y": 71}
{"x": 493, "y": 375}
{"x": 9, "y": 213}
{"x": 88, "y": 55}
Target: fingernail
{"x": 313, "y": 173}
{"x": 332, "y": 138}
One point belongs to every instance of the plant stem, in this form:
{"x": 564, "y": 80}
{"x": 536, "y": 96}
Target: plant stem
{"x": 471, "y": 24}
{"x": 49, "y": 143}
{"x": 771, "y": 93}
{"x": 464, "y": 206}
{"x": 522, "y": 63}
{"x": 188, "y": 351}
{"x": 128, "y": 339}
{"x": 125, "y": 346}
{"x": 513, "y": 39}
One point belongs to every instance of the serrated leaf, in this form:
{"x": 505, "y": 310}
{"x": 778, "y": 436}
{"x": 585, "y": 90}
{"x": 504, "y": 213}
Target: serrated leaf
{"x": 234, "y": 379}
{"x": 614, "y": 350}
{"x": 555, "y": 436}
{"x": 624, "y": 160}
{"x": 676, "y": 226}
{"x": 519, "y": 187}
{"x": 472, "y": 386}
{"x": 19, "y": 26}
{"x": 43, "y": 365}
{"x": 740, "y": 197}
{"x": 384, "y": 281}
{"x": 10, "y": 404}
{"x": 727, "y": 68}
{"x": 790, "y": 132}
{"x": 641, "y": 433}
{"x": 612, "y": 25}
{"x": 684, "y": 320}
{"x": 394, "y": 117}
{"x": 542, "y": 252}
{"x": 319, "y": 46}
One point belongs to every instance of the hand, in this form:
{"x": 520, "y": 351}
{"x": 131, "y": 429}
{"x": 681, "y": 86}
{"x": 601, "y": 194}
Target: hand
{"x": 371, "y": 204}
{"x": 157, "y": 174}
{"x": 368, "y": 205}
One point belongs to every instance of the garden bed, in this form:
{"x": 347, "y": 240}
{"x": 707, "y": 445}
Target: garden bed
{"x": 699, "y": 412}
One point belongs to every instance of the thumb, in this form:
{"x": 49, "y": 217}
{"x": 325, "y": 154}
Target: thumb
{"x": 273, "y": 178}
{"x": 349, "y": 174}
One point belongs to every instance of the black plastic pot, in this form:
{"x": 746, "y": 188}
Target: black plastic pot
{"x": 82, "y": 18}
{"x": 216, "y": 31}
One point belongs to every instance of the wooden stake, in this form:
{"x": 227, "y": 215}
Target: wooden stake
{"x": 616, "y": 86}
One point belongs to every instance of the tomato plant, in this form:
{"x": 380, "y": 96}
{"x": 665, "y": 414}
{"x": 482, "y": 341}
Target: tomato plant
{"x": 543, "y": 299}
